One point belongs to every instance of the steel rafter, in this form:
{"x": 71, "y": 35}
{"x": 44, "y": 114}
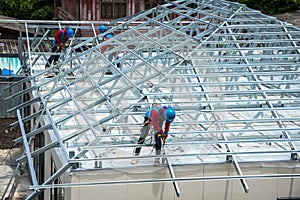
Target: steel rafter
{"x": 231, "y": 73}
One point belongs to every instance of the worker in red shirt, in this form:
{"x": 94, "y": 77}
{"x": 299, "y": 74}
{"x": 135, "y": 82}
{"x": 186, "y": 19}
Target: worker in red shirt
{"x": 156, "y": 116}
{"x": 59, "y": 43}
{"x": 106, "y": 37}
{"x": 111, "y": 57}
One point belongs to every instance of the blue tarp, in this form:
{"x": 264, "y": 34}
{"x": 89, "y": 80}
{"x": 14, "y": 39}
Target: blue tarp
{"x": 9, "y": 65}
{"x": 7, "y": 72}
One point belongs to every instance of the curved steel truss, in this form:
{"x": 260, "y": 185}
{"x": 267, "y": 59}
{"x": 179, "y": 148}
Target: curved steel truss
{"x": 231, "y": 73}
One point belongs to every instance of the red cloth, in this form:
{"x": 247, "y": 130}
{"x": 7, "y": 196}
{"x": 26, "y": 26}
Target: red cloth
{"x": 155, "y": 117}
{"x": 61, "y": 37}
{"x": 103, "y": 49}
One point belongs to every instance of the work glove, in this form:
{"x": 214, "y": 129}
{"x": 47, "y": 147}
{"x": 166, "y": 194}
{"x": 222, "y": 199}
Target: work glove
{"x": 159, "y": 133}
{"x": 62, "y": 46}
{"x": 164, "y": 136}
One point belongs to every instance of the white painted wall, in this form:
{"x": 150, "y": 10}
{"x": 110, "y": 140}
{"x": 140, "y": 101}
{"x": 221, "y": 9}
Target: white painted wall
{"x": 266, "y": 189}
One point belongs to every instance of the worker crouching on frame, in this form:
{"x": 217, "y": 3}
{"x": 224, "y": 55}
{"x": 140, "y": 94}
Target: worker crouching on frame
{"x": 156, "y": 116}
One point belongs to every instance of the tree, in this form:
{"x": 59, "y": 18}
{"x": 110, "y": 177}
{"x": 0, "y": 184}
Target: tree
{"x": 271, "y": 7}
{"x": 27, "y": 9}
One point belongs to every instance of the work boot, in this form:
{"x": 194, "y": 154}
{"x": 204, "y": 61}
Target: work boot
{"x": 156, "y": 162}
{"x": 49, "y": 75}
{"x": 71, "y": 74}
{"x": 134, "y": 161}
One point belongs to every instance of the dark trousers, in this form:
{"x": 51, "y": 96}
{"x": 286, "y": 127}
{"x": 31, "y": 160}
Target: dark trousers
{"x": 144, "y": 133}
{"x": 53, "y": 57}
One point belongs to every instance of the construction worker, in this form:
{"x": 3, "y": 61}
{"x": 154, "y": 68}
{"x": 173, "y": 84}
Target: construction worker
{"x": 156, "y": 116}
{"x": 59, "y": 43}
{"x": 103, "y": 28}
{"x": 106, "y": 37}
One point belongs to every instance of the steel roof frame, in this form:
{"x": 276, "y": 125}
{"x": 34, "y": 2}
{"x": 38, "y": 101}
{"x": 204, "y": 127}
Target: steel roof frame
{"x": 231, "y": 73}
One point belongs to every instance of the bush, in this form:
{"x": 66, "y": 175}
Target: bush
{"x": 27, "y": 9}
{"x": 271, "y": 7}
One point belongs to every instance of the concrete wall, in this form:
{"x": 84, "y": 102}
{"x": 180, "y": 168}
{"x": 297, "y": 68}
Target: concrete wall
{"x": 5, "y": 105}
{"x": 266, "y": 189}
{"x": 51, "y": 155}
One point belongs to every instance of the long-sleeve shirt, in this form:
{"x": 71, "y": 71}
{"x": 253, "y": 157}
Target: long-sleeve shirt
{"x": 61, "y": 37}
{"x": 103, "y": 49}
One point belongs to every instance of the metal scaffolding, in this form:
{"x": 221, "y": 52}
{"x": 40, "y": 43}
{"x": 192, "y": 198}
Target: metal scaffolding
{"x": 231, "y": 73}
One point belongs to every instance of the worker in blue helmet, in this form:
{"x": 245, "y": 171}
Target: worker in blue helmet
{"x": 103, "y": 28}
{"x": 58, "y": 44}
{"x": 113, "y": 56}
{"x": 156, "y": 116}
{"x": 106, "y": 37}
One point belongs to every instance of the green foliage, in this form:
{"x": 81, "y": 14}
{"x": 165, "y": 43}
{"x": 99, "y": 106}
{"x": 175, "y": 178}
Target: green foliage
{"x": 43, "y": 9}
{"x": 271, "y": 7}
{"x": 27, "y": 9}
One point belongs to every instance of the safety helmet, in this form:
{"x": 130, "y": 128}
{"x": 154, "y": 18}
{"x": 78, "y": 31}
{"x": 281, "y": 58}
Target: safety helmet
{"x": 70, "y": 32}
{"x": 109, "y": 36}
{"x": 103, "y": 28}
{"x": 170, "y": 114}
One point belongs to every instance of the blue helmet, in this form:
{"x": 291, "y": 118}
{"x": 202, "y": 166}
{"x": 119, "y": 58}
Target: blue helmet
{"x": 170, "y": 114}
{"x": 103, "y": 28}
{"x": 109, "y": 36}
{"x": 70, "y": 32}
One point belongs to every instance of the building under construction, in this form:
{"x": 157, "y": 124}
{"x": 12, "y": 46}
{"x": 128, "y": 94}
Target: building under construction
{"x": 230, "y": 72}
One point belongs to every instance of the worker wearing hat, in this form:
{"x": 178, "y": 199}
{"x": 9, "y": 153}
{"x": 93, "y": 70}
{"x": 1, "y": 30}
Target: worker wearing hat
{"x": 58, "y": 44}
{"x": 156, "y": 116}
{"x": 111, "y": 57}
